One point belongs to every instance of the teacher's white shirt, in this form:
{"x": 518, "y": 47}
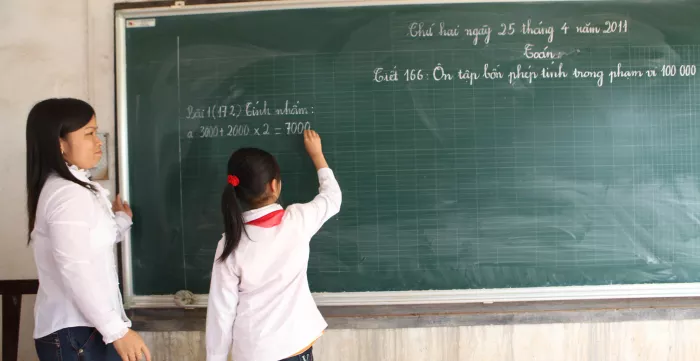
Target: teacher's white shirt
{"x": 73, "y": 239}
{"x": 260, "y": 305}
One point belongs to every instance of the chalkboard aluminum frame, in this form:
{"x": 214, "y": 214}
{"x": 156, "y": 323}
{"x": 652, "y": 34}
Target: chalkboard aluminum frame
{"x": 601, "y": 292}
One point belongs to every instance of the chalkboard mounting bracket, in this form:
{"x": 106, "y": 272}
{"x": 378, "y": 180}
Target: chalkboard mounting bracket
{"x": 178, "y": 4}
{"x": 185, "y": 298}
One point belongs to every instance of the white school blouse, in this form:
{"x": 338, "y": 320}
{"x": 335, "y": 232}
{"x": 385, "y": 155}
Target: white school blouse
{"x": 260, "y": 306}
{"x": 73, "y": 239}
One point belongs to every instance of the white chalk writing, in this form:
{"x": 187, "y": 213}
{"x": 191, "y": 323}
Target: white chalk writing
{"x": 248, "y": 130}
{"x": 538, "y": 29}
{"x": 258, "y": 108}
{"x": 533, "y": 29}
{"x": 545, "y": 53}
{"x": 529, "y": 74}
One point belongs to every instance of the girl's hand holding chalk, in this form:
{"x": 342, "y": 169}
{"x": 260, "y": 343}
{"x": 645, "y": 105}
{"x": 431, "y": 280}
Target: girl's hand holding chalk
{"x": 312, "y": 142}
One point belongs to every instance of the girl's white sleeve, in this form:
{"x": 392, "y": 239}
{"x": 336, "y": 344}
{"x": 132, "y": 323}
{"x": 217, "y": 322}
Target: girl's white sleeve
{"x": 221, "y": 311}
{"x": 326, "y": 204}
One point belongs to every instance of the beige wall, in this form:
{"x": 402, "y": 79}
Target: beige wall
{"x": 47, "y": 49}
{"x": 628, "y": 341}
{"x": 64, "y": 48}
{"x": 35, "y": 63}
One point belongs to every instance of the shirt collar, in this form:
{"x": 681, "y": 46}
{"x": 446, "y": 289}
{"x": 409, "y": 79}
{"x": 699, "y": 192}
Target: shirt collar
{"x": 254, "y": 214}
{"x": 81, "y": 174}
{"x": 84, "y": 176}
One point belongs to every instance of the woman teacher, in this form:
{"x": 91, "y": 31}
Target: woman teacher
{"x": 73, "y": 227}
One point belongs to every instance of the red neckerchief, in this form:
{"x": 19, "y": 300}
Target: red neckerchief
{"x": 269, "y": 220}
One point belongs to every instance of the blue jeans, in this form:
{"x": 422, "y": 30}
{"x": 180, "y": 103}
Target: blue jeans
{"x": 75, "y": 344}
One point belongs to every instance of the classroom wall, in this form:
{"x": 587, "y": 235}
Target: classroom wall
{"x": 35, "y": 64}
{"x": 47, "y": 49}
{"x": 64, "y": 48}
{"x": 624, "y": 341}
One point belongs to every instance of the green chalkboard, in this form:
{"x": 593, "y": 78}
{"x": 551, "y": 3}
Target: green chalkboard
{"x": 500, "y": 145}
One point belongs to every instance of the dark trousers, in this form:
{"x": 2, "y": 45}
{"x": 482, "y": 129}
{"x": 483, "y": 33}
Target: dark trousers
{"x": 75, "y": 344}
{"x": 305, "y": 356}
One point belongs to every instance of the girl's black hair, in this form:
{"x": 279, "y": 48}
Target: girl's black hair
{"x": 255, "y": 169}
{"x": 48, "y": 121}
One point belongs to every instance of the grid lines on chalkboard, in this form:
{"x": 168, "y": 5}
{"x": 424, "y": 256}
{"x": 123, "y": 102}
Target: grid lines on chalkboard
{"x": 448, "y": 179}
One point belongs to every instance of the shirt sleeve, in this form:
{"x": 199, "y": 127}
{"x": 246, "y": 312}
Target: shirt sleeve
{"x": 123, "y": 224}
{"x": 69, "y": 222}
{"x": 326, "y": 204}
{"x": 221, "y": 311}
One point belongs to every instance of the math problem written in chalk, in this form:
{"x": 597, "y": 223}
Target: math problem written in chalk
{"x": 244, "y": 130}
{"x": 249, "y": 109}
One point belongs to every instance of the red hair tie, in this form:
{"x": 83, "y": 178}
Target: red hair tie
{"x": 233, "y": 180}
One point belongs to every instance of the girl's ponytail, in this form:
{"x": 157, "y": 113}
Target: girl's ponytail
{"x": 233, "y": 220}
{"x": 249, "y": 171}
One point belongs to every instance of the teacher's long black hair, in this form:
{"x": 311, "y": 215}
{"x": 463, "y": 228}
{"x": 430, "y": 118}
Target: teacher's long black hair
{"x": 48, "y": 121}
